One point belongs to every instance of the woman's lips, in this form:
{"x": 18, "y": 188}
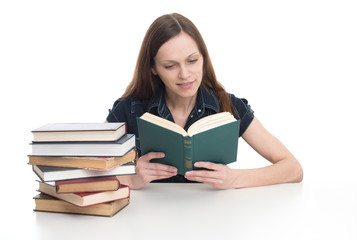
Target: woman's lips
{"x": 185, "y": 85}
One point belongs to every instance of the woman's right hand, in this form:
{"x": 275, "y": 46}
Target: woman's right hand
{"x": 147, "y": 171}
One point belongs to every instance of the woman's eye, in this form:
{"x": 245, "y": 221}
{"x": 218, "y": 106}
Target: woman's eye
{"x": 193, "y": 60}
{"x": 168, "y": 66}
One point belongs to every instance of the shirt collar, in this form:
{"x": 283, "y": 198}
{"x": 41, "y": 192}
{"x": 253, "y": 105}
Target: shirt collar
{"x": 205, "y": 99}
{"x": 159, "y": 104}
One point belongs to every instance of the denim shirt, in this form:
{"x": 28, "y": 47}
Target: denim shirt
{"x": 127, "y": 110}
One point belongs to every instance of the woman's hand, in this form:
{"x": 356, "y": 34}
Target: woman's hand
{"x": 147, "y": 171}
{"x": 221, "y": 177}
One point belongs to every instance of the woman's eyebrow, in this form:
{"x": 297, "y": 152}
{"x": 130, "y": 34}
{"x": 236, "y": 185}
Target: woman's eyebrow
{"x": 192, "y": 54}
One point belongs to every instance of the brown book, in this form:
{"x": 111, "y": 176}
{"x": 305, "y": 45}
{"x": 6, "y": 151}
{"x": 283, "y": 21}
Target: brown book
{"x": 101, "y": 163}
{"x": 98, "y": 184}
{"x": 45, "y": 203}
{"x": 86, "y": 199}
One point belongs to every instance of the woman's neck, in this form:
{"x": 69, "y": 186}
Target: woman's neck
{"x": 180, "y": 108}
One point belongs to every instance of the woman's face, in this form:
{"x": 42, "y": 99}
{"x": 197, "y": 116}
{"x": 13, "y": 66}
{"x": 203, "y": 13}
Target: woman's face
{"x": 179, "y": 64}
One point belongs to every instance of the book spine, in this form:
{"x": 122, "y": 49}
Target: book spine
{"x": 188, "y": 153}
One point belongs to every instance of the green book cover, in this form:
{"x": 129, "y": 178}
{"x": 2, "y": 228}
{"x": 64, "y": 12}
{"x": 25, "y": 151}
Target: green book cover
{"x": 217, "y": 144}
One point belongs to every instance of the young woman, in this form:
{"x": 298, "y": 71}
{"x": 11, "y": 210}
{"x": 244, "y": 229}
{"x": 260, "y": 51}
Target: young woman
{"x": 174, "y": 79}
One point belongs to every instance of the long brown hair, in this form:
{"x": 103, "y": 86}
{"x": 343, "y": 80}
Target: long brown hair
{"x": 145, "y": 84}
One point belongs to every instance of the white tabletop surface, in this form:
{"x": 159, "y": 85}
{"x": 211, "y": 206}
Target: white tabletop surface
{"x": 177, "y": 211}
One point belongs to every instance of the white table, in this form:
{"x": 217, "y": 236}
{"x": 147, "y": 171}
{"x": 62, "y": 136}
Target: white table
{"x": 197, "y": 211}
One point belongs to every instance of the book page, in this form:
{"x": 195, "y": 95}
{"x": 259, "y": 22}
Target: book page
{"x": 163, "y": 123}
{"x": 210, "y": 122}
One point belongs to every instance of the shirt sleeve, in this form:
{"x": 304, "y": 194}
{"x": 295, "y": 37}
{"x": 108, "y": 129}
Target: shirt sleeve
{"x": 245, "y": 112}
{"x": 126, "y": 110}
{"x": 120, "y": 111}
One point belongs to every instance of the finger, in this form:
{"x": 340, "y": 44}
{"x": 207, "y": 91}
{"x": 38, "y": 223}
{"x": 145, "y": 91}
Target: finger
{"x": 149, "y": 175}
{"x": 207, "y": 180}
{"x": 202, "y": 174}
{"x": 159, "y": 168}
{"x": 156, "y": 166}
{"x": 163, "y": 167}
{"x": 208, "y": 165}
{"x": 151, "y": 155}
{"x": 158, "y": 173}
{"x": 151, "y": 178}
{"x": 144, "y": 161}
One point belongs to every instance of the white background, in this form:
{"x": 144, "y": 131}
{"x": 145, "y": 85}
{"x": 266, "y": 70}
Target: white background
{"x": 295, "y": 61}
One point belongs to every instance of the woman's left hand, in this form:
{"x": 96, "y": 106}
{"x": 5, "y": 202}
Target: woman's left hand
{"x": 221, "y": 177}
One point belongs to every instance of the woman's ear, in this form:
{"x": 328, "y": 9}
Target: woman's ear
{"x": 153, "y": 71}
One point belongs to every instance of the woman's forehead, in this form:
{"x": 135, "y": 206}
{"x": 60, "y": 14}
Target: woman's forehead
{"x": 178, "y": 47}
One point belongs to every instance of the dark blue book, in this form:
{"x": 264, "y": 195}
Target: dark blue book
{"x": 101, "y": 149}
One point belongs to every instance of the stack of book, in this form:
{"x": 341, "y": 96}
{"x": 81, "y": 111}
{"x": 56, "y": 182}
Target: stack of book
{"x": 78, "y": 166}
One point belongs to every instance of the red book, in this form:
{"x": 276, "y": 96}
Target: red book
{"x": 98, "y": 184}
{"x": 86, "y": 199}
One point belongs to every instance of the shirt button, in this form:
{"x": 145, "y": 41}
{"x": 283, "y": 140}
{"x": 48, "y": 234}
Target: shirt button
{"x": 199, "y": 110}
{"x": 191, "y": 116}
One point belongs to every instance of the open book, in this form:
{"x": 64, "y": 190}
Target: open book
{"x": 213, "y": 138}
